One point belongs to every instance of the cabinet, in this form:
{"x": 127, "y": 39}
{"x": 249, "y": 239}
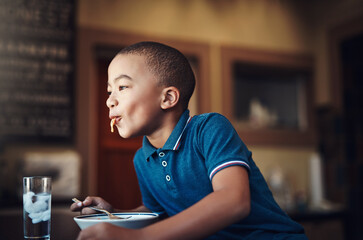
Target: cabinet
{"x": 268, "y": 96}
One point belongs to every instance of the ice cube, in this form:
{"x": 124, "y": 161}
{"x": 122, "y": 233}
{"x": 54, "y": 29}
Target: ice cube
{"x": 39, "y": 209}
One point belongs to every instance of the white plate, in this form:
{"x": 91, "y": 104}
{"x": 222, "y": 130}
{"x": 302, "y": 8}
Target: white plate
{"x": 134, "y": 219}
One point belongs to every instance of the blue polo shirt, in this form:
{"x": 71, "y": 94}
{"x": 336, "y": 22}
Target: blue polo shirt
{"x": 180, "y": 174}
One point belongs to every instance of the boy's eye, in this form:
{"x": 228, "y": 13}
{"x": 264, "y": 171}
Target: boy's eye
{"x": 122, "y": 88}
{"x": 109, "y": 93}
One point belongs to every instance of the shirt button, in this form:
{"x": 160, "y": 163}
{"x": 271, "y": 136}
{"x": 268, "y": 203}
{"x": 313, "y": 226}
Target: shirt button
{"x": 167, "y": 178}
{"x": 164, "y": 163}
{"x": 161, "y": 154}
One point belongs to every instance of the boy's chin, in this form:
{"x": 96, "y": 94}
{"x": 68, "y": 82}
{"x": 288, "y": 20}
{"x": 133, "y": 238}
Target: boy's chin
{"x": 127, "y": 133}
{"x": 124, "y": 134}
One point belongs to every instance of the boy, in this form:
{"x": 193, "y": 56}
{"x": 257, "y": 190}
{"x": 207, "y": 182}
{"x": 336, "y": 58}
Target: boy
{"x": 193, "y": 171}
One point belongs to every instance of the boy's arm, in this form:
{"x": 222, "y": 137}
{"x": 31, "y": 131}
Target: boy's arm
{"x": 227, "y": 204}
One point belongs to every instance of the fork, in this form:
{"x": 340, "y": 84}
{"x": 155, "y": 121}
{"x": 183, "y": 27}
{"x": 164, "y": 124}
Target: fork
{"x": 110, "y": 215}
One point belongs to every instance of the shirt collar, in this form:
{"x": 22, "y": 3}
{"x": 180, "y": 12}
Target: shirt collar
{"x": 173, "y": 142}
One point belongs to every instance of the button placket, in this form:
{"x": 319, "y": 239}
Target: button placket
{"x": 164, "y": 164}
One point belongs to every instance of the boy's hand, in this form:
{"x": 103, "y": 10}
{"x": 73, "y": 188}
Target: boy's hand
{"x": 91, "y": 201}
{"x": 107, "y": 231}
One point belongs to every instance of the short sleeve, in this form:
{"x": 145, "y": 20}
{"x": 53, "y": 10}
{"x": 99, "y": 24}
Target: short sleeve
{"x": 221, "y": 145}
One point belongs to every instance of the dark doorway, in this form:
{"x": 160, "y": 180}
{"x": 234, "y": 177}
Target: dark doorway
{"x": 351, "y": 52}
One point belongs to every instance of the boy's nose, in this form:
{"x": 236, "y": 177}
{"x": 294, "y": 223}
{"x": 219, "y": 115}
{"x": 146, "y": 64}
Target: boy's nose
{"x": 111, "y": 102}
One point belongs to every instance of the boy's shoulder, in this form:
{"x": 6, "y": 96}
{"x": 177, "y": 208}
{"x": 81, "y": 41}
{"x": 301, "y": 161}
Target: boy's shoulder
{"x": 209, "y": 116}
{"x": 213, "y": 118}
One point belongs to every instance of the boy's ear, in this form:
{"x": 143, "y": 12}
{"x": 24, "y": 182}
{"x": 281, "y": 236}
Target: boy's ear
{"x": 170, "y": 97}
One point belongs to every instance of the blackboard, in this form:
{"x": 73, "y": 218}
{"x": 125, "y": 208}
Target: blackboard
{"x": 37, "y": 70}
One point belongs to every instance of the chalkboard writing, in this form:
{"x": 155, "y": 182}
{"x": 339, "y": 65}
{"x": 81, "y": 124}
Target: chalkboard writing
{"x": 37, "y": 70}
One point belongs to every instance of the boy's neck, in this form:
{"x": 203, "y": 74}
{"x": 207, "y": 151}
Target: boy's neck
{"x": 160, "y": 136}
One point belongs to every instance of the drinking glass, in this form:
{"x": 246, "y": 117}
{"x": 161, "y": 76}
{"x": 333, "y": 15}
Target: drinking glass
{"x": 36, "y": 207}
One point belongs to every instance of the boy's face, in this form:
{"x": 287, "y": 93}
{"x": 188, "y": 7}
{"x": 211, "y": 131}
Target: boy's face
{"x": 134, "y": 96}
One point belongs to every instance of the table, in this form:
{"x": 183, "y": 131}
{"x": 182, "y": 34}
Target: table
{"x": 63, "y": 227}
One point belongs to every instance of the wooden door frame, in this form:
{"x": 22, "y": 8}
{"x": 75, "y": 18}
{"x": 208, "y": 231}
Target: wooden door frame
{"x": 86, "y": 91}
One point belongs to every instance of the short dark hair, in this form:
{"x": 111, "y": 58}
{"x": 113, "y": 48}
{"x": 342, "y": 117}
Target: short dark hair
{"x": 170, "y": 67}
